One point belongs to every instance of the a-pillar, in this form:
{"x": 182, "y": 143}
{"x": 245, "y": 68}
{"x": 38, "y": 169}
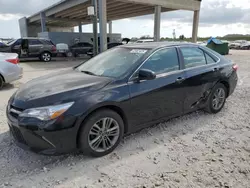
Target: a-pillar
{"x": 103, "y": 24}
{"x": 43, "y": 22}
{"x": 195, "y": 25}
{"x": 110, "y": 27}
{"x": 157, "y": 23}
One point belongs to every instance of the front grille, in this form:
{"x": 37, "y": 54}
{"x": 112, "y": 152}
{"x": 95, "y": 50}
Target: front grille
{"x": 17, "y": 134}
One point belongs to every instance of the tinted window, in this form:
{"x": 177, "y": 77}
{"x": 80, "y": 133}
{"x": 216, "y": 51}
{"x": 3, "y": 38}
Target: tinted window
{"x": 112, "y": 63}
{"x": 209, "y": 59}
{"x": 34, "y": 42}
{"x": 48, "y": 42}
{"x": 87, "y": 44}
{"x": 18, "y": 42}
{"x": 193, "y": 57}
{"x": 162, "y": 61}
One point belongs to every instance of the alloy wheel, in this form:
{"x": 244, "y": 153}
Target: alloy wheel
{"x": 104, "y": 134}
{"x": 218, "y": 98}
{"x": 46, "y": 57}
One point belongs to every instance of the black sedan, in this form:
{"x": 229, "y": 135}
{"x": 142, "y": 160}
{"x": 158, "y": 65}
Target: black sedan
{"x": 92, "y": 106}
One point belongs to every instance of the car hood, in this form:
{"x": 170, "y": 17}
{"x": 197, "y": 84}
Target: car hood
{"x": 69, "y": 83}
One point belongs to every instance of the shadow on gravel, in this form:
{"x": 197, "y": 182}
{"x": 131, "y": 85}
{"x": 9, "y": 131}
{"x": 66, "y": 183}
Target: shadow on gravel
{"x": 19, "y": 163}
{"x": 7, "y": 87}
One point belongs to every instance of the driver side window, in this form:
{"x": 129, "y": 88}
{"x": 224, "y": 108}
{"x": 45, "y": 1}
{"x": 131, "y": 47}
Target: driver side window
{"x": 163, "y": 61}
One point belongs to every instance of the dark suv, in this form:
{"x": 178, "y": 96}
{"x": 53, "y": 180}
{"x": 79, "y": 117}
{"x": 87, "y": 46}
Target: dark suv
{"x": 80, "y": 48}
{"x": 44, "y": 49}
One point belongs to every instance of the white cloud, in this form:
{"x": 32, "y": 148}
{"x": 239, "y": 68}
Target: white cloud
{"x": 7, "y": 17}
{"x": 218, "y": 17}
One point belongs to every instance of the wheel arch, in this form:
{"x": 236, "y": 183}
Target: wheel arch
{"x": 110, "y": 106}
{"x": 2, "y": 77}
{"x": 226, "y": 84}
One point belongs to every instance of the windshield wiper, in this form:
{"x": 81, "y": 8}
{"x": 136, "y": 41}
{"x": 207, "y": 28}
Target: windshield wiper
{"x": 88, "y": 72}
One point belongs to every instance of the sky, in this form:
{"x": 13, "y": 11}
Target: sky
{"x": 217, "y": 18}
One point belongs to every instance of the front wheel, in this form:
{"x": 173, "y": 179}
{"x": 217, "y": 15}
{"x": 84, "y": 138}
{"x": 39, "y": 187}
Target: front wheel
{"x": 101, "y": 133}
{"x": 45, "y": 56}
{"x": 217, "y": 99}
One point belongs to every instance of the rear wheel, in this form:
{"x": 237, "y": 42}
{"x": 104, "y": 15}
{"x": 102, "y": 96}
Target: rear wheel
{"x": 217, "y": 99}
{"x": 45, "y": 56}
{"x": 101, "y": 133}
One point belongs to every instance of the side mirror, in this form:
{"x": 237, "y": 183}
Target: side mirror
{"x": 145, "y": 74}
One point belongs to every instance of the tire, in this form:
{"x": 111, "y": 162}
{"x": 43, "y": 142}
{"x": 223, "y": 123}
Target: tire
{"x": 89, "y": 137}
{"x": 215, "y": 104}
{"x": 45, "y": 56}
{"x": 1, "y": 82}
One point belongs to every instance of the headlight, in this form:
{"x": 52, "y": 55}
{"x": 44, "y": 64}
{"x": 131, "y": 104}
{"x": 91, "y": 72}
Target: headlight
{"x": 47, "y": 112}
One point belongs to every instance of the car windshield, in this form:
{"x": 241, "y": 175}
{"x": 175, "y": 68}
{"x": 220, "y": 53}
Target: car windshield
{"x": 112, "y": 63}
{"x": 11, "y": 42}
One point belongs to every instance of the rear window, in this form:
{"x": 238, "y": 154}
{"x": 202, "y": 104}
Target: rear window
{"x": 49, "y": 42}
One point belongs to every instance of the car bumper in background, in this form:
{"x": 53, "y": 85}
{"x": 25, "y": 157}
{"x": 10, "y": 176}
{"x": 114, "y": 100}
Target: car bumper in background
{"x": 16, "y": 74}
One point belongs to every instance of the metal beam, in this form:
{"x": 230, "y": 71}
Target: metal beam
{"x": 172, "y": 4}
{"x": 61, "y": 6}
{"x": 80, "y": 27}
{"x": 103, "y": 24}
{"x": 76, "y": 21}
{"x": 195, "y": 25}
{"x": 157, "y": 23}
{"x": 110, "y": 27}
{"x": 43, "y": 22}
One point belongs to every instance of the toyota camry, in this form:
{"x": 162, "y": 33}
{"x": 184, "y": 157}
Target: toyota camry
{"x": 89, "y": 108}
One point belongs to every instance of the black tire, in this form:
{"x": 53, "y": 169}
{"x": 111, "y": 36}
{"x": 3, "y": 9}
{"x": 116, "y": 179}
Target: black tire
{"x": 210, "y": 108}
{"x": 45, "y": 56}
{"x": 1, "y": 82}
{"x": 91, "y": 121}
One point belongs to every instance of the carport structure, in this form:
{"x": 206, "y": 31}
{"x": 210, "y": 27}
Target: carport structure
{"x": 70, "y": 13}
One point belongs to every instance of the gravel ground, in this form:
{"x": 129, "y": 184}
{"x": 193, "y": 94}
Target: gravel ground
{"x": 196, "y": 150}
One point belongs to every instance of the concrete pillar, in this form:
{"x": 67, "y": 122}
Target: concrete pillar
{"x": 103, "y": 24}
{"x": 110, "y": 27}
{"x": 195, "y": 25}
{"x": 157, "y": 23}
{"x": 80, "y": 27}
{"x": 43, "y": 22}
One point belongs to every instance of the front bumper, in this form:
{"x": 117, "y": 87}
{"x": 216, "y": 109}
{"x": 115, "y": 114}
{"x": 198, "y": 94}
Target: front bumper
{"x": 41, "y": 141}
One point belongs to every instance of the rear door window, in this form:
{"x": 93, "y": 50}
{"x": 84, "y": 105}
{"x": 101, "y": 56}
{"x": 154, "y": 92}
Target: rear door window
{"x": 209, "y": 59}
{"x": 193, "y": 57}
{"x": 34, "y": 42}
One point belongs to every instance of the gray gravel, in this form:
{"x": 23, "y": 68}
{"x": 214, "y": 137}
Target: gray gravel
{"x": 196, "y": 150}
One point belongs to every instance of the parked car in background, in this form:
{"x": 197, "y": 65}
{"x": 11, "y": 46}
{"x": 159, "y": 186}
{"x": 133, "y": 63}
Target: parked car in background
{"x": 2, "y": 44}
{"x": 10, "y": 69}
{"x": 120, "y": 91}
{"x": 80, "y": 48}
{"x": 144, "y": 40}
{"x": 40, "y": 48}
{"x": 109, "y": 46}
{"x": 63, "y": 49}
{"x": 245, "y": 46}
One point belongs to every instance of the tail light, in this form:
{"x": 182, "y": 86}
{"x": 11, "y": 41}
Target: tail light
{"x": 13, "y": 61}
{"x": 235, "y": 67}
{"x": 53, "y": 48}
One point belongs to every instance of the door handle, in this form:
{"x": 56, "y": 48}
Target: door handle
{"x": 179, "y": 80}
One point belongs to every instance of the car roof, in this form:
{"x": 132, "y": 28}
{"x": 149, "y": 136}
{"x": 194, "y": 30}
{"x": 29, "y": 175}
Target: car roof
{"x": 155, "y": 45}
{"x": 36, "y": 38}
